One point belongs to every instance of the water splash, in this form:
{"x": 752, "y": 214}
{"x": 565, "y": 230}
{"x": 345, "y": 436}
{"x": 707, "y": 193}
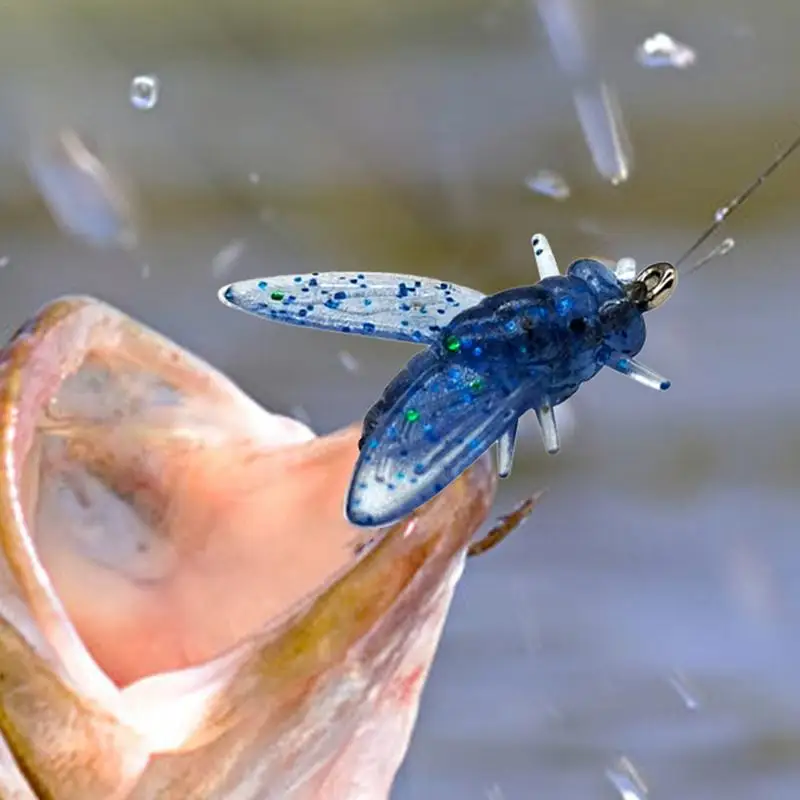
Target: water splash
{"x": 549, "y": 183}
{"x": 83, "y": 196}
{"x": 662, "y": 50}
{"x": 626, "y": 780}
{"x": 225, "y": 260}
{"x": 600, "y": 115}
{"x": 349, "y": 362}
{"x": 571, "y": 27}
{"x": 687, "y": 693}
{"x": 724, "y": 247}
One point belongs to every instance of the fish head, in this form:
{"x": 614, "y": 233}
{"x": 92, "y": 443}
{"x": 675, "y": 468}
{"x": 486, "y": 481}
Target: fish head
{"x": 184, "y": 610}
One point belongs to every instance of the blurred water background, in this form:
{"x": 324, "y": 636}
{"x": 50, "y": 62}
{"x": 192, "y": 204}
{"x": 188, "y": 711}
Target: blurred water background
{"x": 644, "y": 621}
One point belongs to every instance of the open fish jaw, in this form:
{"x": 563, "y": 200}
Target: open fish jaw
{"x": 317, "y": 700}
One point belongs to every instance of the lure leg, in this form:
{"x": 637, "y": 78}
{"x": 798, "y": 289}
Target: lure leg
{"x": 640, "y": 373}
{"x": 549, "y": 430}
{"x": 545, "y": 260}
{"x": 505, "y": 451}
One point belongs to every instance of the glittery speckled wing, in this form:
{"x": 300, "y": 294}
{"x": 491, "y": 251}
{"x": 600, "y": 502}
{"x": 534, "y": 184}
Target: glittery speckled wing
{"x": 386, "y": 306}
{"x": 447, "y": 418}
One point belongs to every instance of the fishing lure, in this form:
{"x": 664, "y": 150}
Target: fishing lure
{"x": 488, "y": 359}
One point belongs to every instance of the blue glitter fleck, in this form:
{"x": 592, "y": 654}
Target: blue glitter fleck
{"x": 564, "y": 305}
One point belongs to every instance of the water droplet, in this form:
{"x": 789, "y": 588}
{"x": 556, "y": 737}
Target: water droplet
{"x": 83, "y": 196}
{"x": 600, "y": 116}
{"x": 725, "y": 246}
{"x": 680, "y": 684}
{"x": 548, "y": 183}
{"x": 4, "y": 261}
{"x": 662, "y": 50}
{"x": 626, "y": 780}
{"x": 254, "y": 178}
{"x": 145, "y": 270}
{"x": 721, "y": 213}
{"x": 224, "y": 260}
{"x": 144, "y": 92}
{"x": 349, "y": 362}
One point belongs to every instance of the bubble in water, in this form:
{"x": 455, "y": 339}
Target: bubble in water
{"x": 626, "y": 780}
{"x": 548, "y": 183}
{"x": 662, "y": 50}
{"x": 144, "y": 92}
{"x": 4, "y": 261}
{"x": 254, "y": 178}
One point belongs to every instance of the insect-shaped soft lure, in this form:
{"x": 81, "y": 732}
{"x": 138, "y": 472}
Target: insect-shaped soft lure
{"x": 488, "y": 360}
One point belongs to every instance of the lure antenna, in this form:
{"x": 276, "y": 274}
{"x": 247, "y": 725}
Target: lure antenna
{"x": 723, "y": 213}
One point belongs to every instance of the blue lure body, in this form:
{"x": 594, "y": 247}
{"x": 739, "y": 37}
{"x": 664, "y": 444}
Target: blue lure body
{"x": 488, "y": 361}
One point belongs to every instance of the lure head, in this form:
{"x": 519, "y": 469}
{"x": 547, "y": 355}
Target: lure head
{"x": 620, "y": 307}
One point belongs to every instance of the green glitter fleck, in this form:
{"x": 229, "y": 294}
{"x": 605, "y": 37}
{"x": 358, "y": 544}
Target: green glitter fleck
{"x": 476, "y": 385}
{"x": 452, "y": 343}
{"x": 277, "y": 296}
{"x": 412, "y": 415}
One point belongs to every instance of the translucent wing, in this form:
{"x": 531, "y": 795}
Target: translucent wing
{"x": 447, "y": 418}
{"x": 379, "y": 304}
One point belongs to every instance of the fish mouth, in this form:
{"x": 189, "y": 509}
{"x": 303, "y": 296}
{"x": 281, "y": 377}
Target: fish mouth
{"x": 157, "y": 524}
{"x": 150, "y": 490}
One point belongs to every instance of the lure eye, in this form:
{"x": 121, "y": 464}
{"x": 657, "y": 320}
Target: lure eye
{"x": 578, "y": 326}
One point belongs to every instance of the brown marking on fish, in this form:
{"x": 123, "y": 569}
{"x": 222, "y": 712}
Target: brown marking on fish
{"x": 507, "y": 524}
